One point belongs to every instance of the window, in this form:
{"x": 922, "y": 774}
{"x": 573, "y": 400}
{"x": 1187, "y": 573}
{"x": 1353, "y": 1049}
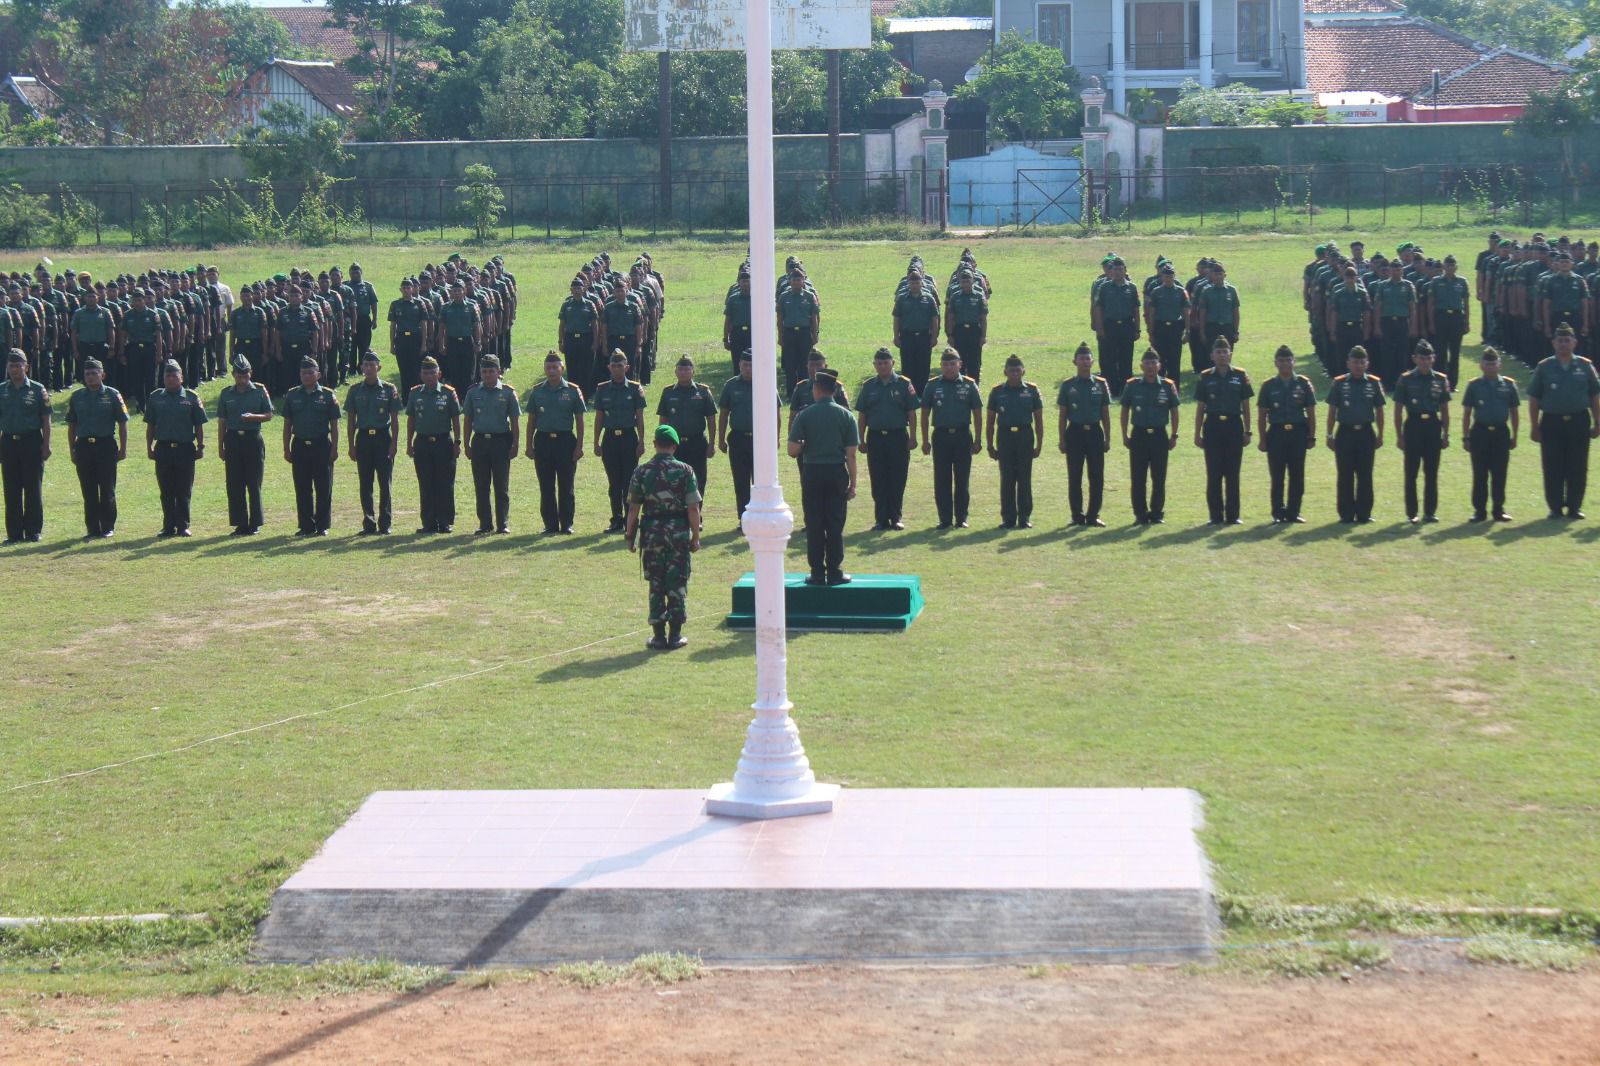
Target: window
{"x": 1255, "y": 36}
{"x": 1055, "y": 27}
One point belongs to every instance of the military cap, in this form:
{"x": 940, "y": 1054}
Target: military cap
{"x": 618, "y": 358}
{"x": 747, "y": 356}
{"x": 171, "y": 367}
{"x": 666, "y": 435}
{"x": 1505, "y": 244}
{"x": 950, "y": 355}
{"x": 965, "y": 274}
{"x": 1165, "y": 269}
{"x": 577, "y": 282}
{"x": 353, "y": 267}
{"x": 92, "y": 364}
{"x": 815, "y": 356}
{"x": 1563, "y": 257}
{"x": 1449, "y": 259}
{"x": 1358, "y": 352}
{"x": 882, "y": 353}
{"x": 1422, "y": 348}
{"x": 1083, "y": 349}
{"x": 241, "y": 365}
{"x": 1221, "y": 343}
{"x": 16, "y": 355}
{"x": 309, "y": 363}
{"x": 1321, "y": 249}
{"x": 552, "y": 356}
{"x": 1406, "y": 247}
{"x": 1490, "y": 355}
{"x": 825, "y": 378}
{"x": 1013, "y": 361}
{"x": 744, "y": 275}
{"x": 1564, "y": 330}
{"x": 1283, "y": 352}
{"x": 488, "y": 361}
{"x": 1150, "y": 354}
{"x": 13, "y": 287}
{"x": 370, "y": 356}
{"x": 429, "y": 363}
{"x": 280, "y": 278}
{"x": 684, "y": 360}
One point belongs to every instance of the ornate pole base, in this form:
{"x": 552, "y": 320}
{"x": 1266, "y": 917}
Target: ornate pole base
{"x": 774, "y": 779}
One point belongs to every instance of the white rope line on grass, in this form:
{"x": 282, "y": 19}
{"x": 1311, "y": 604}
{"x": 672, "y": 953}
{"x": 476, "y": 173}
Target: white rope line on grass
{"x": 316, "y": 714}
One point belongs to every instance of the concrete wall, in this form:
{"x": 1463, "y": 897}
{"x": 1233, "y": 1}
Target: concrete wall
{"x": 1463, "y": 144}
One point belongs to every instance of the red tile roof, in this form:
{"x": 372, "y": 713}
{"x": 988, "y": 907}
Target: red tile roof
{"x": 1503, "y": 78}
{"x": 307, "y": 25}
{"x": 884, "y": 8}
{"x": 1353, "y": 7}
{"x": 1395, "y": 57}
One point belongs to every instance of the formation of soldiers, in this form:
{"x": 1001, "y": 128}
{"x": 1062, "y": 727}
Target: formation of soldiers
{"x": 141, "y": 341}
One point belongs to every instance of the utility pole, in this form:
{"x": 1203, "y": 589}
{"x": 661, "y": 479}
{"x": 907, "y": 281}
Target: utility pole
{"x": 833, "y": 136}
{"x": 664, "y": 131}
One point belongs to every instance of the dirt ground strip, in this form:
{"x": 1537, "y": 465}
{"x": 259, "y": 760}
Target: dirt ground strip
{"x": 1447, "y": 1015}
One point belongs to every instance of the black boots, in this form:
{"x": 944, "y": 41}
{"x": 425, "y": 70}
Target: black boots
{"x": 665, "y": 639}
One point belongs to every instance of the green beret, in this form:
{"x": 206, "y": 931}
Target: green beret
{"x": 1406, "y": 247}
{"x": 666, "y": 435}
{"x": 280, "y": 278}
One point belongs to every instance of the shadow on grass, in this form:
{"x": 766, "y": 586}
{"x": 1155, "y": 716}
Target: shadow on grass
{"x": 1112, "y": 534}
{"x": 1543, "y": 528}
{"x": 870, "y": 542}
{"x": 1459, "y": 531}
{"x": 1180, "y": 536}
{"x": 1305, "y": 535}
{"x": 736, "y": 644}
{"x": 586, "y": 669}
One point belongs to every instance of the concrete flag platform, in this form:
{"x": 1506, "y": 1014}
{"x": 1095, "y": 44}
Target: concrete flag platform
{"x": 469, "y": 879}
{"x": 870, "y": 602}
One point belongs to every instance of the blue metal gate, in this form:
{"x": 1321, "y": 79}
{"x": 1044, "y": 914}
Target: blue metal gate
{"x": 1015, "y": 186}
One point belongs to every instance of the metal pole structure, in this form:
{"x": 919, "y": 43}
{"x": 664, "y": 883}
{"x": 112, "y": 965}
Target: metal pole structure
{"x": 664, "y": 130}
{"x": 833, "y": 137}
{"x": 774, "y": 778}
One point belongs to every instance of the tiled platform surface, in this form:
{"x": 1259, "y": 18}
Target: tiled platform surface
{"x": 477, "y": 878}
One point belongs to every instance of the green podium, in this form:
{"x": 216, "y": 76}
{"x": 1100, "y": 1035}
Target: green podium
{"x": 869, "y": 603}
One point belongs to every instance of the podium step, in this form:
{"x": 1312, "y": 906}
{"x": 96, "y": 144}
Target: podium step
{"x": 870, "y": 603}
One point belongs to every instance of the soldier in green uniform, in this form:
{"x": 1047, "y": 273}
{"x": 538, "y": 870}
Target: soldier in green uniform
{"x": 174, "y": 438}
{"x": 241, "y": 411}
{"x": 1166, "y": 316}
{"x": 886, "y": 418}
{"x": 1564, "y": 415}
{"x": 916, "y": 325}
{"x": 97, "y": 440}
{"x": 736, "y": 319}
{"x": 1222, "y": 430}
{"x": 490, "y": 411}
{"x": 623, "y": 318}
{"x": 1349, "y": 317}
{"x": 1395, "y": 300}
{"x": 663, "y": 526}
{"x": 299, "y": 337}
{"x": 1083, "y": 407}
{"x": 580, "y": 335}
{"x": 1564, "y": 298}
{"x": 951, "y": 404}
{"x": 249, "y": 327}
{"x": 1422, "y": 429}
{"x": 1449, "y": 313}
{"x": 799, "y": 322}
{"x": 1115, "y": 317}
{"x": 92, "y": 332}
{"x": 311, "y": 447}
{"x": 365, "y": 312}
{"x": 433, "y": 442}
{"x": 1355, "y": 433}
{"x": 688, "y": 407}
{"x": 1287, "y": 420}
{"x": 462, "y": 328}
{"x": 824, "y": 438}
{"x": 1217, "y": 311}
{"x": 555, "y": 442}
{"x": 1491, "y": 417}
{"x": 619, "y": 406}
{"x": 736, "y": 428}
{"x": 803, "y": 396}
{"x": 143, "y": 347}
{"x": 408, "y": 335}
{"x": 372, "y": 436}
{"x": 24, "y": 448}
{"x": 1149, "y": 432}
{"x": 1016, "y": 410}
{"x": 969, "y": 323}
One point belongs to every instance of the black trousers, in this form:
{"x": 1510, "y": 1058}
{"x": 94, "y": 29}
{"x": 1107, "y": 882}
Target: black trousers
{"x": 1167, "y": 339}
{"x": 138, "y": 376}
{"x": 1490, "y": 448}
{"x": 361, "y": 341}
{"x": 1116, "y": 351}
{"x": 244, "y": 465}
{"x": 1355, "y": 445}
{"x": 1223, "y": 437}
{"x": 794, "y": 345}
{"x": 97, "y": 479}
{"x": 742, "y": 464}
{"x": 458, "y": 363}
{"x": 916, "y": 356}
{"x": 175, "y": 481}
{"x": 215, "y": 351}
{"x": 692, "y": 450}
{"x": 1564, "y": 452}
{"x": 582, "y": 370}
{"x": 966, "y": 339}
{"x": 1014, "y": 446}
{"x": 888, "y": 463}
{"x": 618, "y": 453}
{"x": 22, "y": 469}
{"x": 1199, "y": 353}
{"x": 491, "y": 468}
{"x": 1349, "y": 335}
{"x": 738, "y": 341}
{"x": 1452, "y": 326}
{"x": 435, "y": 460}
{"x": 1286, "y": 462}
{"x": 287, "y": 371}
{"x": 374, "y": 464}
{"x": 1086, "y": 451}
{"x": 250, "y": 348}
{"x": 1394, "y": 353}
{"x": 313, "y": 482}
{"x": 555, "y": 466}
{"x": 952, "y": 472}
{"x": 1422, "y": 437}
{"x": 822, "y": 499}
{"x": 408, "y": 359}
{"x": 1214, "y": 330}
{"x": 194, "y": 361}
{"x": 1147, "y": 463}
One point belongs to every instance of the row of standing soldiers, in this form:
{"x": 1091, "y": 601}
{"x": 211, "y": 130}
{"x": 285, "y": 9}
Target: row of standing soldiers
{"x": 454, "y": 313}
{"x": 608, "y": 311}
{"x": 1196, "y": 314}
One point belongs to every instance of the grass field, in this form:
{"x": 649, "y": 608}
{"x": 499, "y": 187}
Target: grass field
{"x": 1387, "y": 712}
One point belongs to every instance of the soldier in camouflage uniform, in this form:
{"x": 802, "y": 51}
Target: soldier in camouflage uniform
{"x": 664, "y": 490}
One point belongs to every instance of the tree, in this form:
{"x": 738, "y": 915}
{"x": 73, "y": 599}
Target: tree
{"x": 1238, "y": 105}
{"x": 941, "y": 8}
{"x": 482, "y": 201}
{"x": 392, "y": 38}
{"x": 1031, "y": 90}
{"x": 1543, "y": 27}
{"x": 1563, "y": 114}
{"x": 253, "y": 37}
{"x": 291, "y": 147}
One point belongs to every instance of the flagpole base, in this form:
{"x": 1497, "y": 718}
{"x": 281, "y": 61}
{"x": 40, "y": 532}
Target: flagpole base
{"x": 726, "y": 801}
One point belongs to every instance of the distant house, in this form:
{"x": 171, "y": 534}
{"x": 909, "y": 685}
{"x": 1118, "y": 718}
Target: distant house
{"x": 1160, "y": 44}
{"x": 1371, "y": 48}
{"x": 320, "y": 89}
{"x": 309, "y": 29}
{"x": 27, "y": 98}
{"x": 942, "y": 49}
